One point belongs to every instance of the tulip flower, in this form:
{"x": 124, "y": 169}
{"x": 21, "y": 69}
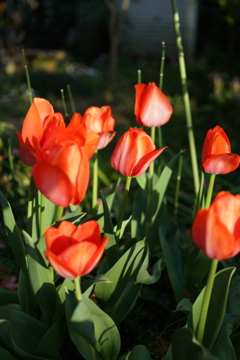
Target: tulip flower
{"x": 216, "y": 154}
{"x": 152, "y": 107}
{"x": 74, "y": 251}
{"x": 134, "y": 152}
{"x": 41, "y": 127}
{"x": 61, "y": 173}
{"x": 217, "y": 230}
{"x": 100, "y": 121}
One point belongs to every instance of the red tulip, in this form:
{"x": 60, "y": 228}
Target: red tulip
{"x": 216, "y": 153}
{"x": 100, "y": 121}
{"x": 62, "y": 173}
{"x": 134, "y": 152}
{"x": 152, "y": 107}
{"x": 74, "y": 251}
{"x": 41, "y": 127}
{"x": 217, "y": 230}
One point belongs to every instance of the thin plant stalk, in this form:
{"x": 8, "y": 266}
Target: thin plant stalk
{"x": 210, "y": 190}
{"x": 42, "y": 217}
{"x": 59, "y": 215}
{"x": 186, "y": 99}
{"x": 179, "y": 176}
{"x": 30, "y": 206}
{"x": 71, "y": 98}
{"x": 28, "y": 78}
{"x": 64, "y": 104}
{"x": 78, "y": 293}
{"x": 95, "y": 180}
{"x": 122, "y": 210}
{"x": 151, "y": 167}
{"x": 206, "y": 300}
{"x": 162, "y": 66}
{"x": 139, "y": 76}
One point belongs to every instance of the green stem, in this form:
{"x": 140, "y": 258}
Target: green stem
{"x": 210, "y": 190}
{"x": 28, "y": 77}
{"x": 71, "y": 98}
{"x": 95, "y": 180}
{"x": 78, "y": 293}
{"x": 30, "y": 206}
{"x": 139, "y": 76}
{"x": 179, "y": 176}
{"x": 186, "y": 99}
{"x": 124, "y": 201}
{"x": 42, "y": 217}
{"x": 162, "y": 66}
{"x": 206, "y": 300}
{"x": 151, "y": 167}
{"x": 64, "y": 104}
{"x": 59, "y": 215}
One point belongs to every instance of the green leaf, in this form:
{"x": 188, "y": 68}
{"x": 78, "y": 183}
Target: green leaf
{"x": 233, "y": 305}
{"x": 173, "y": 255}
{"x": 92, "y": 331}
{"x": 200, "y": 200}
{"x": 41, "y": 281}
{"x": 109, "y": 200}
{"x": 223, "y": 347}
{"x": 118, "y": 297}
{"x": 13, "y": 234}
{"x": 216, "y": 309}
{"x": 236, "y": 344}
{"x": 26, "y": 295}
{"x": 4, "y": 355}
{"x": 139, "y": 352}
{"x": 111, "y": 248}
{"x": 87, "y": 285}
{"x": 138, "y": 223}
{"x": 184, "y": 305}
{"x": 186, "y": 347}
{"x": 142, "y": 180}
{"x": 8, "y": 297}
{"x": 145, "y": 278}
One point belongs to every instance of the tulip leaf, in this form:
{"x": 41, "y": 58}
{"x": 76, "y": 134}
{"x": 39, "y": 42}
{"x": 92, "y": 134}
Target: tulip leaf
{"x": 118, "y": 297}
{"x": 173, "y": 255}
{"x": 4, "y": 354}
{"x": 109, "y": 200}
{"x": 13, "y": 234}
{"x": 26, "y": 295}
{"x": 200, "y": 200}
{"x": 138, "y": 225}
{"x": 235, "y": 339}
{"x": 53, "y": 339}
{"x": 87, "y": 285}
{"x": 74, "y": 217}
{"x": 123, "y": 227}
{"x": 67, "y": 284}
{"x": 20, "y": 333}
{"x": 41, "y": 281}
{"x": 111, "y": 248}
{"x": 144, "y": 277}
{"x": 92, "y": 331}
{"x": 223, "y": 347}
{"x": 159, "y": 190}
{"x": 184, "y": 305}
{"x": 142, "y": 181}
{"x": 186, "y": 347}
{"x": 233, "y": 304}
{"x": 139, "y": 352}
{"x": 50, "y": 211}
{"x": 8, "y": 297}
{"x": 216, "y": 308}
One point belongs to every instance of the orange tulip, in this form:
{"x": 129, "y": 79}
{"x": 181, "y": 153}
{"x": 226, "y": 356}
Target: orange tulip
{"x": 74, "y": 251}
{"x": 100, "y": 121}
{"x": 152, "y": 107}
{"x": 62, "y": 173}
{"x": 41, "y": 127}
{"x": 216, "y": 153}
{"x": 134, "y": 152}
{"x": 217, "y": 230}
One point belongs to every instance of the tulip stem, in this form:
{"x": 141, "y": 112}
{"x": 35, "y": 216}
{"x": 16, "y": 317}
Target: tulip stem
{"x": 95, "y": 180}
{"x": 42, "y": 218}
{"x": 28, "y": 77}
{"x": 71, "y": 98}
{"x": 78, "y": 293}
{"x": 210, "y": 190}
{"x": 206, "y": 300}
{"x": 186, "y": 99}
{"x": 30, "y": 206}
{"x": 151, "y": 167}
{"x": 124, "y": 201}
{"x": 162, "y": 66}
{"x": 59, "y": 215}
{"x": 139, "y": 76}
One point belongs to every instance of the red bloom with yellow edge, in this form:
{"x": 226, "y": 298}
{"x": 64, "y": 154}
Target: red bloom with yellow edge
{"x": 134, "y": 152}
{"x": 41, "y": 127}
{"x": 152, "y": 107}
{"x": 101, "y": 121}
{"x": 217, "y": 230}
{"x": 74, "y": 251}
{"x": 62, "y": 173}
{"x": 216, "y": 153}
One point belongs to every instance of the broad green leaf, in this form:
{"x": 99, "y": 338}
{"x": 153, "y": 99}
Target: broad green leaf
{"x": 173, "y": 255}
{"x": 186, "y": 347}
{"x": 67, "y": 284}
{"x": 50, "y": 211}
{"x": 233, "y": 304}
{"x": 142, "y": 180}
{"x": 118, "y": 297}
{"x": 74, "y": 217}
{"x": 109, "y": 200}
{"x": 184, "y": 305}
{"x": 138, "y": 223}
{"x": 160, "y": 189}
{"x": 200, "y": 200}
{"x": 8, "y": 296}
{"x": 36, "y": 215}
{"x": 41, "y": 281}
{"x": 223, "y": 347}
{"x": 4, "y": 355}
{"x": 216, "y": 309}
{"x": 87, "y": 285}
{"x": 124, "y": 225}
{"x": 235, "y": 339}
{"x": 54, "y": 338}
{"x": 13, "y": 234}
{"x": 111, "y": 248}
{"x": 26, "y": 295}
{"x": 139, "y": 352}
{"x": 145, "y": 278}
{"x": 92, "y": 331}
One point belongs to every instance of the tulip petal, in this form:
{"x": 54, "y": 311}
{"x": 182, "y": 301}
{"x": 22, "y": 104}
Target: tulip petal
{"x": 67, "y": 228}
{"x": 221, "y": 164}
{"x": 53, "y": 183}
{"x": 25, "y": 151}
{"x": 87, "y": 231}
{"x": 61, "y": 267}
{"x": 140, "y": 91}
{"x": 90, "y": 265}
{"x": 145, "y": 161}
{"x": 105, "y": 138}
